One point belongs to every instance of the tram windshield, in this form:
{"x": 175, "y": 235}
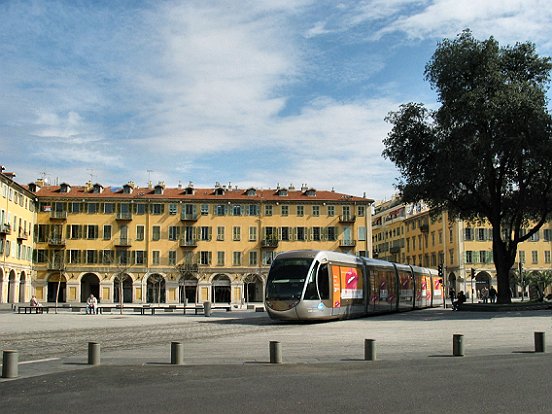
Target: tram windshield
{"x": 286, "y": 278}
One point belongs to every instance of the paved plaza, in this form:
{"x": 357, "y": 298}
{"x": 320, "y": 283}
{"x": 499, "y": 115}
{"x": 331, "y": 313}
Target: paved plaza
{"x": 58, "y": 342}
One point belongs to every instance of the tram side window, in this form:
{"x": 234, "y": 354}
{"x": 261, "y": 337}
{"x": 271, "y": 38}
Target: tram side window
{"x": 311, "y": 293}
{"x": 324, "y": 282}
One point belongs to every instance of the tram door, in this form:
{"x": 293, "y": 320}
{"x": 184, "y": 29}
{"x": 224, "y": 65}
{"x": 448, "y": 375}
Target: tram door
{"x": 347, "y": 289}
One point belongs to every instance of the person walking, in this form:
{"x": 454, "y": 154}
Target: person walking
{"x": 484, "y": 294}
{"x": 492, "y": 294}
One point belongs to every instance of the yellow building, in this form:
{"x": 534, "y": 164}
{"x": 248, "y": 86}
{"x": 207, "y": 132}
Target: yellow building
{"x": 169, "y": 245}
{"x": 409, "y": 233}
{"x": 17, "y": 218}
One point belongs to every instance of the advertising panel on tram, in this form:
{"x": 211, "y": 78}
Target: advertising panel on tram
{"x": 347, "y": 292}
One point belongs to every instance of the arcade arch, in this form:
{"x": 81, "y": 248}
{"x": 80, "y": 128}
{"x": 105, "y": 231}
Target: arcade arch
{"x": 155, "y": 289}
{"x": 90, "y": 284}
{"x": 126, "y": 288}
{"x": 220, "y": 289}
{"x": 187, "y": 288}
{"x": 57, "y": 286}
{"x": 253, "y": 286}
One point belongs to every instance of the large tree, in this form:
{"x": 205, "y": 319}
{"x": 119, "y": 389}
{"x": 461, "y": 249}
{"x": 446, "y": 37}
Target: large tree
{"x": 486, "y": 152}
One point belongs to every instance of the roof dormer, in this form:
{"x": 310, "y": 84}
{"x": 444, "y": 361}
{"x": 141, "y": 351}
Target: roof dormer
{"x": 64, "y": 188}
{"x": 251, "y": 192}
{"x": 282, "y": 192}
{"x": 159, "y": 188}
{"x": 34, "y": 187}
{"x": 310, "y": 192}
{"x": 97, "y": 188}
{"x": 128, "y": 188}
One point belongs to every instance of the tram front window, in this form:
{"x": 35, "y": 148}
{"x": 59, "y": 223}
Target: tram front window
{"x": 286, "y": 278}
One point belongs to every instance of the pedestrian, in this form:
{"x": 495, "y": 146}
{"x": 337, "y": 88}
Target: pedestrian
{"x": 492, "y": 294}
{"x": 484, "y": 294}
{"x": 91, "y": 305}
{"x": 460, "y": 299}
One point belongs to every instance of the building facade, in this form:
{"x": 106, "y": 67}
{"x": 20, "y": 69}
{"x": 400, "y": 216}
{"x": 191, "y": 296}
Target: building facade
{"x": 409, "y": 233}
{"x": 172, "y": 245}
{"x": 17, "y": 219}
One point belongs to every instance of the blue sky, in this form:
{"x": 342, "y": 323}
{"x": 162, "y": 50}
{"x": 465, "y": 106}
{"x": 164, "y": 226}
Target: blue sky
{"x": 256, "y": 93}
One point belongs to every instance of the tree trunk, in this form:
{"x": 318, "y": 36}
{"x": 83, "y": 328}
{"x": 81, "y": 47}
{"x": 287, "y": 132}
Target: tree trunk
{"x": 503, "y": 263}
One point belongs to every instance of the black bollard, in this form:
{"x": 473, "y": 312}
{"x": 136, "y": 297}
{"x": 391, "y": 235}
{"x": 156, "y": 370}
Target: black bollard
{"x": 93, "y": 353}
{"x": 177, "y": 353}
{"x": 369, "y": 349}
{"x": 10, "y": 364}
{"x": 275, "y": 352}
{"x": 458, "y": 345}
{"x": 539, "y": 342}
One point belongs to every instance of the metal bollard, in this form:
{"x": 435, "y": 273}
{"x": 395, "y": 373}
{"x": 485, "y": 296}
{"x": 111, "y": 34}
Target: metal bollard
{"x": 10, "y": 364}
{"x": 275, "y": 352}
{"x": 539, "y": 342}
{"x": 458, "y": 345}
{"x": 93, "y": 353}
{"x": 177, "y": 353}
{"x": 369, "y": 349}
{"x": 207, "y": 308}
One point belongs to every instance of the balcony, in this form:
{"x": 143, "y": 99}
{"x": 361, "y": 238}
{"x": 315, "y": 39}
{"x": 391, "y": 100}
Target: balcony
{"x": 189, "y": 267}
{"x": 58, "y": 215}
{"x": 22, "y": 235}
{"x": 347, "y": 243}
{"x": 124, "y": 216}
{"x": 5, "y": 228}
{"x": 188, "y": 243}
{"x": 189, "y": 216}
{"x": 269, "y": 243}
{"x": 56, "y": 241}
{"x": 123, "y": 242}
{"x": 348, "y": 218}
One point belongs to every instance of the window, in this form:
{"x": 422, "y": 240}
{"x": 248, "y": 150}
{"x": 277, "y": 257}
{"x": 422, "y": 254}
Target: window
{"x": 285, "y": 233}
{"x": 220, "y": 210}
{"x": 75, "y": 207}
{"x": 140, "y": 232}
{"x": 268, "y": 210}
{"x": 253, "y": 210}
{"x": 220, "y": 233}
{"x": 316, "y": 211}
{"x": 362, "y": 233}
{"x": 534, "y": 257}
{"x": 301, "y": 236}
{"x": 316, "y": 234}
{"x": 469, "y": 256}
{"x": 204, "y": 258}
{"x": 361, "y": 211}
{"x": 220, "y": 258}
{"x": 285, "y": 210}
{"x": 174, "y": 233}
{"x": 157, "y": 209}
{"x": 204, "y": 209}
{"x": 74, "y": 231}
{"x": 92, "y": 231}
{"x": 172, "y": 257}
{"x": 252, "y": 233}
{"x": 253, "y": 258}
{"x": 109, "y": 208}
{"x": 236, "y": 233}
{"x": 107, "y": 257}
{"x": 93, "y": 208}
{"x": 300, "y": 211}
{"x": 237, "y": 210}
{"x": 74, "y": 256}
{"x": 173, "y": 208}
{"x": 268, "y": 257}
{"x": 107, "y": 232}
{"x": 332, "y": 233}
{"x": 91, "y": 256}
{"x": 205, "y": 233}
{"x": 547, "y": 235}
{"x": 139, "y": 257}
{"x": 468, "y": 233}
{"x": 237, "y": 258}
{"x": 140, "y": 208}
{"x": 547, "y": 256}
{"x": 522, "y": 256}
{"x": 155, "y": 258}
{"x": 331, "y": 211}
{"x": 156, "y": 233}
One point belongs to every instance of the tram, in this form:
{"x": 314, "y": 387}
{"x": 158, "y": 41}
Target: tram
{"x": 324, "y": 285}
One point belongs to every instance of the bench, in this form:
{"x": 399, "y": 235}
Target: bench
{"x": 30, "y": 309}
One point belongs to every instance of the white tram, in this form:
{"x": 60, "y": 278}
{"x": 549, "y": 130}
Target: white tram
{"x": 323, "y": 285}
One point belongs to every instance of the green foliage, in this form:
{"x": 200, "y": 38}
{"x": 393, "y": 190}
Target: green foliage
{"x": 486, "y": 152}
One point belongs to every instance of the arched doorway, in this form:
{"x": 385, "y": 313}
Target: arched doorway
{"x": 1, "y": 285}
{"x": 187, "y": 288}
{"x": 22, "y": 290}
{"x": 90, "y": 284}
{"x": 155, "y": 289}
{"x": 482, "y": 279}
{"x": 127, "y": 288}
{"x": 221, "y": 289}
{"x": 57, "y": 282}
{"x": 12, "y": 288}
{"x": 253, "y": 285}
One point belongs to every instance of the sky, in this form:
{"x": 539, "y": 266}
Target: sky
{"x": 249, "y": 93}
